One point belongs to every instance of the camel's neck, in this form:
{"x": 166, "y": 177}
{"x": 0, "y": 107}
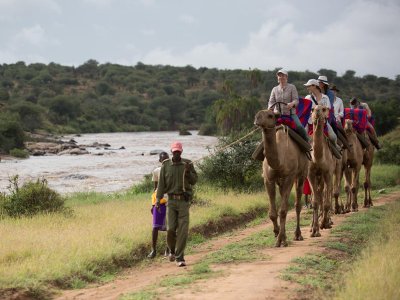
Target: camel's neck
{"x": 270, "y": 148}
{"x": 353, "y": 141}
{"x": 318, "y": 140}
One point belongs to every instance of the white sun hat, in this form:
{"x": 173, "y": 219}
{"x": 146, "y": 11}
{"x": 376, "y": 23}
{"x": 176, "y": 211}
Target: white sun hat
{"x": 282, "y": 71}
{"x": 312, "y": 82}
{"x": 323, "y": 79}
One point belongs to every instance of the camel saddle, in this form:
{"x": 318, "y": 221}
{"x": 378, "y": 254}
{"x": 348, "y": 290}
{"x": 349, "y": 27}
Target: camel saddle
{"x": 304, "y": 146}
{"x": 362, "y": 139}
{"x": 334, "y": 150}
{"x": 341, "y": 135}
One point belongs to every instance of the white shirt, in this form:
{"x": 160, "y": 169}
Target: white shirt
{"x": 338, "y": 108}
{"x": 156, "y": 174}
{"x": 324, "y": 101}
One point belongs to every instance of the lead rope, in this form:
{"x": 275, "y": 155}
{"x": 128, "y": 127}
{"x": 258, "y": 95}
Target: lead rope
{"x": 227, "y": 146}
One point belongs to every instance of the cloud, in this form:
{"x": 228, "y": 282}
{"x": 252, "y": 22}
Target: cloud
{"x": 364, "y": 38}
{"x": 148, "y": 32}
{"x": 27, "y": 6}
{"x": 187, "y": 19}
{"x": 32, "y": 36}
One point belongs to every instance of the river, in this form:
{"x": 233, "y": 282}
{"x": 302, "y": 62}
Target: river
{"x": 104, "y": 170}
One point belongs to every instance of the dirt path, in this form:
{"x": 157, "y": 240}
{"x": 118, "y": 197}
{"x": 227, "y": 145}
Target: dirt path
{"x": 247, "y": 280}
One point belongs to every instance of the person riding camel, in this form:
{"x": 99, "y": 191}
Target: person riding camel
{"x": 338, "y": 109}
{"x": 355, "y": 103}
{"x": 286, "y": 93}
{"x": 318, "y": 98}
{"x": 324, "y": 86}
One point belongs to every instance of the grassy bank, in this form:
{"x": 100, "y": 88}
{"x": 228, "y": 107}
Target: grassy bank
{"x": 359, "y": 262}
{"x": 376, "y": 272}
{"x": 106, "y": 232}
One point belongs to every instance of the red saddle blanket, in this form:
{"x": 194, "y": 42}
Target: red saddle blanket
{"x": 358, "y": 116}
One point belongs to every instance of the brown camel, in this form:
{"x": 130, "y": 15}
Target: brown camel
{"x": 284, "y": 164}
{"x": 320, "y": 171}
{"x": 355, "y": 155}
{"x": 368, "y": 159}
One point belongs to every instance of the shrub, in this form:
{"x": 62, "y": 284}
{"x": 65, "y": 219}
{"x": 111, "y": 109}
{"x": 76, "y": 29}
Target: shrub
{"x": 20, "y": 153}
{"x": 389, "y": 154}
{"x": 145, "y": 186}
{"x": 30, "y": 199}
{"x": 233, "y": 167}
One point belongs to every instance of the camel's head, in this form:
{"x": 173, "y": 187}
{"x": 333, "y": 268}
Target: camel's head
{"x": 266, "y": 119}
{"x": 348, "y": 127}
{"x": 319, "y": 113}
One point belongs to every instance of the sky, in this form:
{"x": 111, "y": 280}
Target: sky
{"x": 361, "y": 35}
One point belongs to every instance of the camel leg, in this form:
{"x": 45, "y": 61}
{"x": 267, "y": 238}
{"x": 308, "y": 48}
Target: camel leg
{"x": 271, "y": 190}
{"x": 316, "y": 202}
{"x": 284, "y": 189}
{"x": 354, "y": 189}
{"x": 299, "y": 192}
{"x": 347, "y": 180}
{"x": 326, "y": 202}
{"x": 367, "y": 188}
{"x": 336, "y": 184}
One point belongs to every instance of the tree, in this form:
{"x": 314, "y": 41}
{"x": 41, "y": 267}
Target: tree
{"x": 64, "y": 108}
{"x": 11, "y": 133}
{"x": 255, "y": 78}
{"x": 235, "y": 114}
{"x": 31, "y": 115}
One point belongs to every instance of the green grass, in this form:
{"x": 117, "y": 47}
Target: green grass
{"x": 106, "y": 233}
{"x": 382, "y": 176}
{"x": 362, "y": 253}
{"x": 378, "y": 265}
{"x": 142, "y": 295}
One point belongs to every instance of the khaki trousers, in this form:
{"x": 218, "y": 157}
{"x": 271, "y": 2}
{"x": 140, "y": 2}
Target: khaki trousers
{"x": 177, "y": 226}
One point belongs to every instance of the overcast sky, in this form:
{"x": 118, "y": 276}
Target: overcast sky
{"x": 341, "y": 35}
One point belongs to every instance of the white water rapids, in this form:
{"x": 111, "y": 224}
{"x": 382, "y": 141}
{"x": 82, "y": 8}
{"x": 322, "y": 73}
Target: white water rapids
{"x": 114, "y": 170}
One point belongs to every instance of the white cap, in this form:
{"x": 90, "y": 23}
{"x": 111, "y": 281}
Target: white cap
{"x": 282, "y": 71}
{"x": 312, "y": 82}
{"x": 323, "y": 79}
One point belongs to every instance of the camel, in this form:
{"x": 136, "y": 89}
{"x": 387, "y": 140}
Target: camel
{"x": 367, "y": 161}
{"x": 284, "y": 164}
{"x": 320, "y": 171}
{"x": 355, "y": 155}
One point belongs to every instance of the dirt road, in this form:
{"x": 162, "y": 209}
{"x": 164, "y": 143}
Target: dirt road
{"x": 255, "y": 279}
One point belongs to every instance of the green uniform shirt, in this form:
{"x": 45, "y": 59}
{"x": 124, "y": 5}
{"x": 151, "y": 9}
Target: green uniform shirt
{"x": 171, "y": 178}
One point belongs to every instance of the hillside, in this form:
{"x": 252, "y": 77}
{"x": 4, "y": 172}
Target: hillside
{"x": 108, "y": 97}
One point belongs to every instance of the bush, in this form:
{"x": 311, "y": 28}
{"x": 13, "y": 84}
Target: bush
{"x": 233, "y": 168}
{"x": 20, "y": 153}
{"x": 11, "y": 132}
{"x": 145, "y": 186}
{"x": 389, "y": 154}
{"x": 30, "y": 199}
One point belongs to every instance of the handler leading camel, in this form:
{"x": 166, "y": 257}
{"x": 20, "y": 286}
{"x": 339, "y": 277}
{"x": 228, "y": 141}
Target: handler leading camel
{"x": 283, "y": 165}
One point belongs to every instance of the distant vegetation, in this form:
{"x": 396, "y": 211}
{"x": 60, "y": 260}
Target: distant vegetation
{"x": 108, "y": 97}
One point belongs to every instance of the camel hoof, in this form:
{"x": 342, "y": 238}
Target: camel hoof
{"x": 315, "y": 234}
